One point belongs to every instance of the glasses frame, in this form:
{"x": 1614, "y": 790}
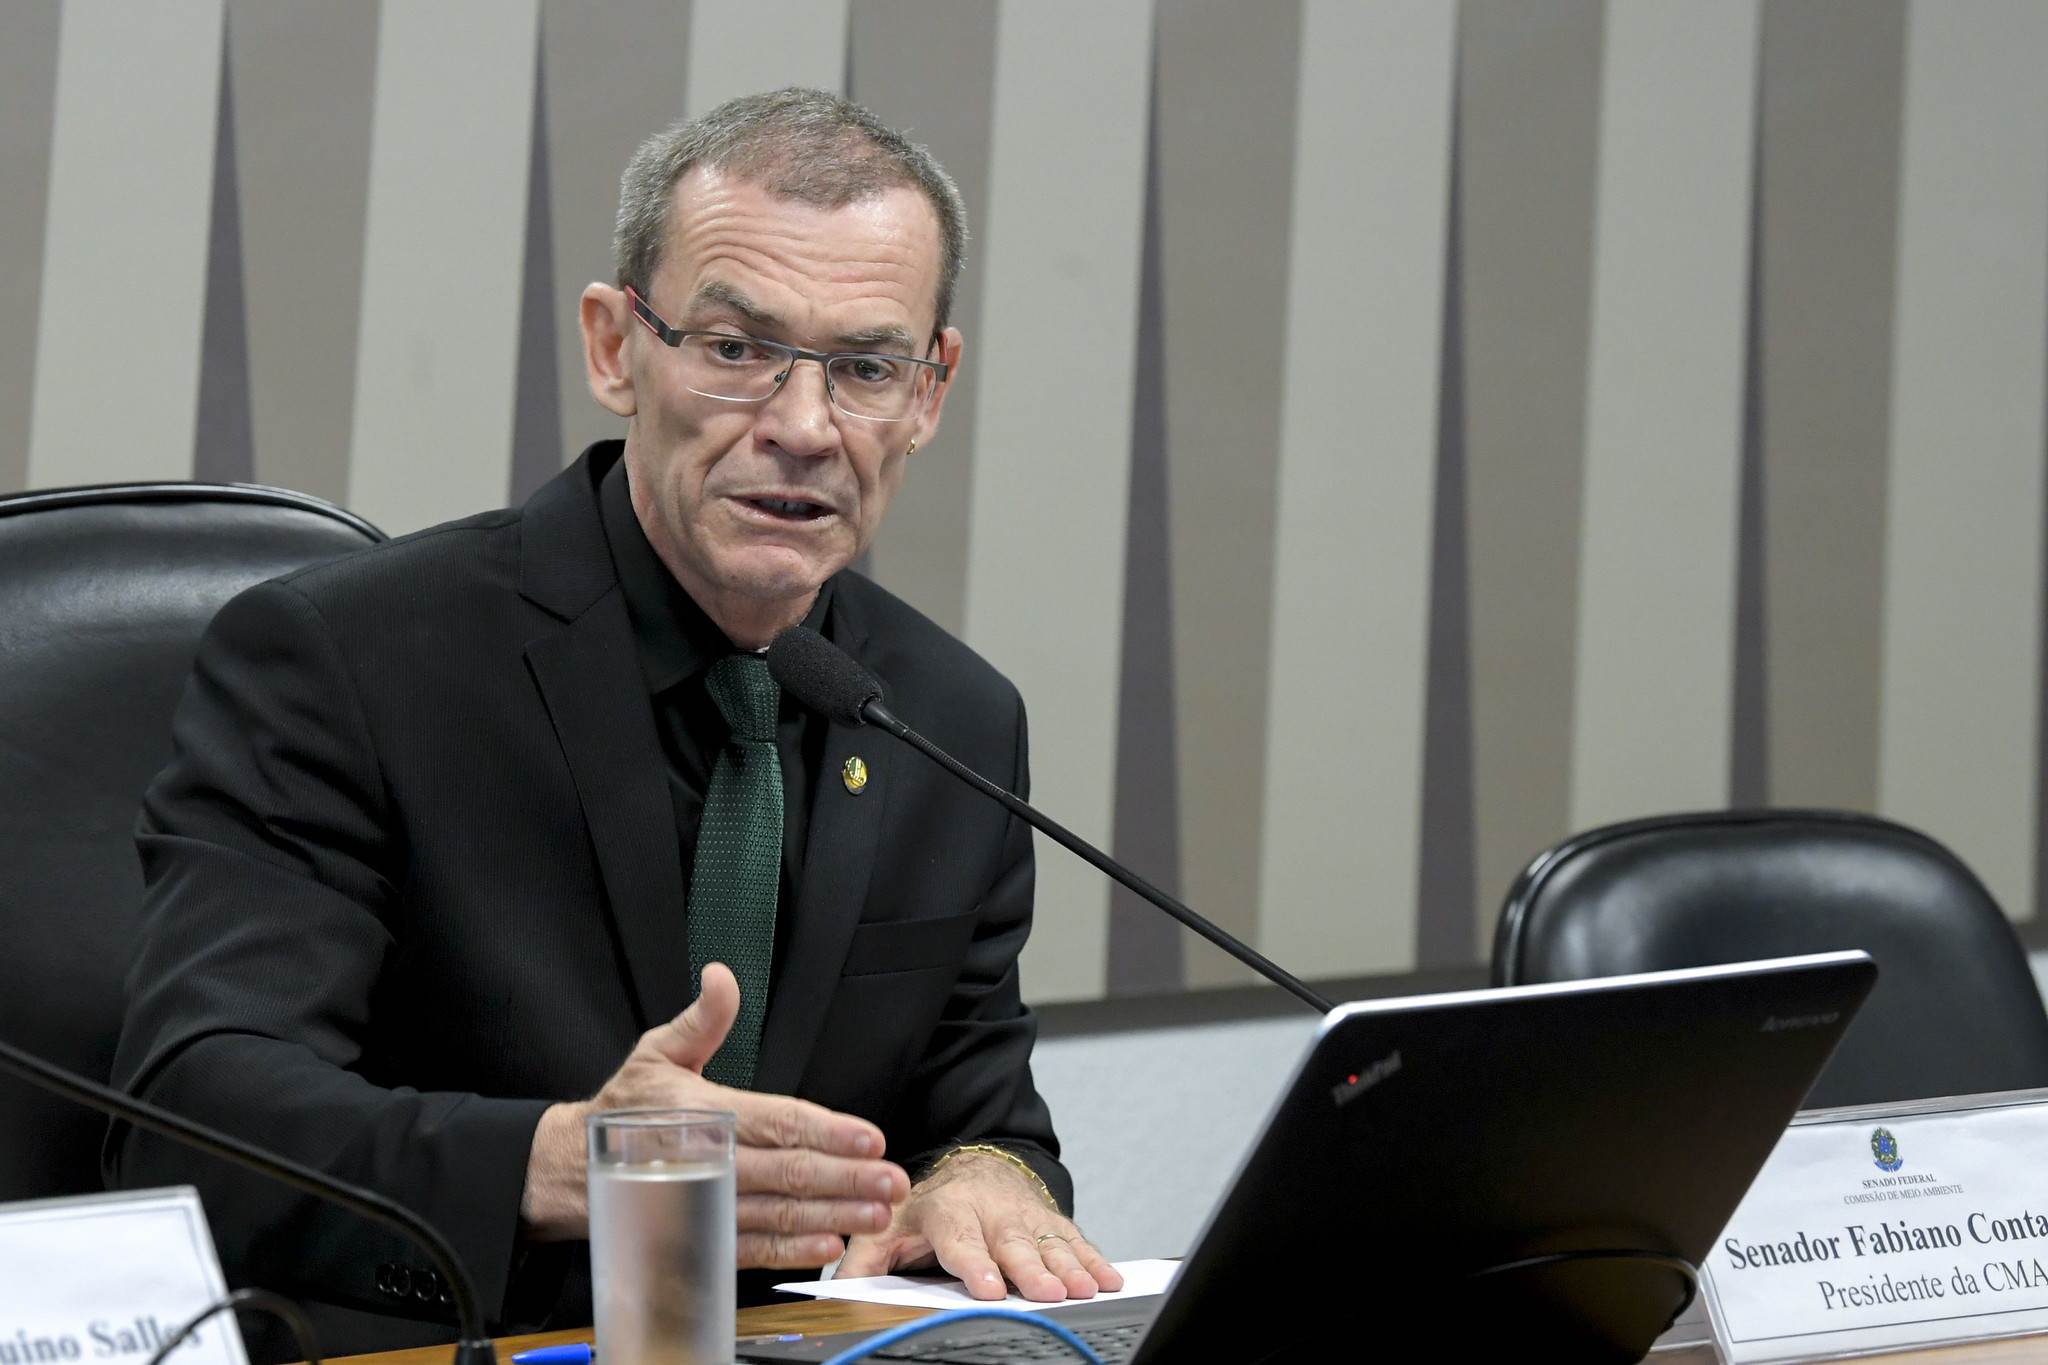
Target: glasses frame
{"x": 675, "y": 336}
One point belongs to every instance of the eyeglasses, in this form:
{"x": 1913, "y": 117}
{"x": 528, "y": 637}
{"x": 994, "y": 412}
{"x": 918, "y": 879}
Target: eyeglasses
{"x": 735, "y": 368}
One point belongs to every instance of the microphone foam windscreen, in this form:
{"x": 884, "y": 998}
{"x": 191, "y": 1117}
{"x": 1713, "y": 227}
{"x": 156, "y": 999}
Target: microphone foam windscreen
{"x": 821, "y": 675}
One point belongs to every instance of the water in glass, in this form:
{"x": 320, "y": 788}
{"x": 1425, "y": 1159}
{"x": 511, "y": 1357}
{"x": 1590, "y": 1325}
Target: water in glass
{"x": 661, "y": 1259}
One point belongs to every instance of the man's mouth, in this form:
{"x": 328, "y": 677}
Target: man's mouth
{"x": 788, "y": 509}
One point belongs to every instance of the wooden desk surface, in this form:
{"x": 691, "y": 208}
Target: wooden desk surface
{"x": 829, "y": 1315}
{"x": 817, "y": 1315}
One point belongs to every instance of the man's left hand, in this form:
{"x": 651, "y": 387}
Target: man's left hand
{"x": 983, "y": 1221}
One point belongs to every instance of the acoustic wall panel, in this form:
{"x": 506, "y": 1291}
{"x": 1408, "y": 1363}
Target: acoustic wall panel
{"x": 1225, "y": 159}
{"x": 1828, "y": 205}
{"x": 1358, "y": 435}
{"x": 739, "y": 46}
{"x": 614, "y": 72}
{"x": 1651, "y": 703}
{"x": 1147, "y": 950}
{"x": 927, "y": 69}
{"x": 223, "y": 441}
{"x": 28, "y": 90}
{"x": 302, "y": 74}
{"x": 1702, "y": 524}
{"x": 125, "y": 246}
{"x": 437, "y": 343}
{"x": 1958, "y": 752}
{"x": 1528, "y": 120}
{"x": 1052, "y": 429}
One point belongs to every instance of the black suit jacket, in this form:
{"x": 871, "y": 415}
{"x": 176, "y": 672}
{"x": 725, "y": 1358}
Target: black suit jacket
{"x": 412, "y": 876}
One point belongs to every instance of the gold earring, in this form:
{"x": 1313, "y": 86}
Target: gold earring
{"x": 913, "y": 447}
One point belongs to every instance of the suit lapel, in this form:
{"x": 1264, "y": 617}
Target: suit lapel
{"x": 598, "y": 701}
{"x": 589, "y": 677}
{"x": 839, "y": 860}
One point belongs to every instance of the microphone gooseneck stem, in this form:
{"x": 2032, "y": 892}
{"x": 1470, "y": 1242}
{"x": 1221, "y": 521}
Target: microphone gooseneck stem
{"x": 879, "y": 715}
{"x": 474, "y": 1348}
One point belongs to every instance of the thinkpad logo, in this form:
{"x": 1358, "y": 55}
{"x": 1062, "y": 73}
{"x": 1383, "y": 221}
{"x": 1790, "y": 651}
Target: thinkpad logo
{"x": 1773, "y": 1024}
{"x": 1358, "y": 1082}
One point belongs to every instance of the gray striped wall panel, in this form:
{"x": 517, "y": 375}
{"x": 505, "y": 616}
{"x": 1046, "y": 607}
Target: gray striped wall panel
{"x": 28, "y": 91}
{"x": 1046, "y": 531}
{"x": 1357, "y": 476}
{"x": 1770, "y": 278}
{"x": 739, "y": 46}
{"x": 302, "y": 73}
{"x": 1654, "y": 686}
{"x": 438, "y": 337}
{"x": 1957, "y": 751}
{"x": 1225, "y": 138}
{"x": 125, "y": 246}
{"x": 1828, "y": 208}
{"x": 927, "y": 70}
{"x": 615, "y": 74}
{"x": 1529, "y": 104}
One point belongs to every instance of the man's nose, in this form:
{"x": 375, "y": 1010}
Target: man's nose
{"x": 798, "y": 418}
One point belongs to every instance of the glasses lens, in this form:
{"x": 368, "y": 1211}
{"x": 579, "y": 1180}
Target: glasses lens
{"x": 731, "y": 367}
{"x": 883, "y": 388}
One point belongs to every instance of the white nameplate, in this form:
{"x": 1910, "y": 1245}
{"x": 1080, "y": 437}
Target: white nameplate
{"x": 1888, "y": 1227}
{"x": 108, "y": 1278}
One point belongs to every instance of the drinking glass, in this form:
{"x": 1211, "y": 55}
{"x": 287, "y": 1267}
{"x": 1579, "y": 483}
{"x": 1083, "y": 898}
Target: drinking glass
{"x": 661, "y": 1236}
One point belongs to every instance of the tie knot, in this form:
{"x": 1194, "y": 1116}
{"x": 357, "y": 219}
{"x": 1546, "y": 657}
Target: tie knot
{"x": 746, "y": 695}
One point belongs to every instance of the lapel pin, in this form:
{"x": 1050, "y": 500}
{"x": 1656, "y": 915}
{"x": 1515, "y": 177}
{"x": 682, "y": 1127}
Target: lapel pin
{"x": 855, "y": 775}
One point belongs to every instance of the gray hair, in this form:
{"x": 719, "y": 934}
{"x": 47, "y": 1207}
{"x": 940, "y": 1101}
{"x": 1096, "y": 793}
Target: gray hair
{"x": 807, "y": 145}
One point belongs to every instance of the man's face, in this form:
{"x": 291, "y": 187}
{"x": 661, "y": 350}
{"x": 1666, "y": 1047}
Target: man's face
{"x": 753, "y": 505}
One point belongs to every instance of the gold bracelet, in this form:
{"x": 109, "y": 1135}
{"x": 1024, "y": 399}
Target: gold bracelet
{"x": 1000, "y": 1154}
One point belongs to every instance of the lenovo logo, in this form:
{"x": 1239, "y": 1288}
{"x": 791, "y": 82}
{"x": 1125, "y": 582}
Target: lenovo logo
{"x": 1773, "y": 1024}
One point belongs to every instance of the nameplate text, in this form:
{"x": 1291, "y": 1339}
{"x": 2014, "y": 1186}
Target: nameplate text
{"x": 108, "y": 1279}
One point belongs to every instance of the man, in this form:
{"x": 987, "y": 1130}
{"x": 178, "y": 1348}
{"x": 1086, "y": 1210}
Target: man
{"x": 453, "y": 821}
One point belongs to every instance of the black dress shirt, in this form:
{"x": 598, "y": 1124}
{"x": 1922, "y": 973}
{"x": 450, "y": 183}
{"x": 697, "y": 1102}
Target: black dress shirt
{"x": 677, "y": 644}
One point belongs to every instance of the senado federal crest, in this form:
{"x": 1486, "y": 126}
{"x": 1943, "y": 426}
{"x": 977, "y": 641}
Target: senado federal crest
{"x": 1884, "y": 1150}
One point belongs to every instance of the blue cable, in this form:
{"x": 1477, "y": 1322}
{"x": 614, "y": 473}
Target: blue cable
{"x": 911, "y": 1329}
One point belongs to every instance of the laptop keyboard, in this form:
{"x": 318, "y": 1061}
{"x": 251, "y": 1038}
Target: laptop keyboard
{"x": 1014, "y": 1346}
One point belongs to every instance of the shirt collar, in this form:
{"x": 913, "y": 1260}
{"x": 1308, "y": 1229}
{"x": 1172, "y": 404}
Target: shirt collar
{"x": 674, "y": 638}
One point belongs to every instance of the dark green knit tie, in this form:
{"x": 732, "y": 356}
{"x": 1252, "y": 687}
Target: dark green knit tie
{"x": 738, "y": 866}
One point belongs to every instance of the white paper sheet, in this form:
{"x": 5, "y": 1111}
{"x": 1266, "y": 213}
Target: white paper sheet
{"x": 1141, "y": 1278}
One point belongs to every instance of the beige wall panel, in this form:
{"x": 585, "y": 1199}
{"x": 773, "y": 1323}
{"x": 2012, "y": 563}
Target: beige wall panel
{"x": 1829, "y": 179}
{"x": 1958, "y": 750}
{"x": 614, "y": 72}
{"x": 1059, "y": 289}
{"x": 28, "y": 89}
{"x": 1225, "y": 136}
{"x": 1529, "y": 109}
{"x": 303, "y": 72}
{"x": 436, "y": 358}
{"x": 1358, "y": 433}
{"x": 926, "y": 69}
{"x": 124, "y": 261}
{"x": 740, "y": 46}
{"x": 1651, "y": 708}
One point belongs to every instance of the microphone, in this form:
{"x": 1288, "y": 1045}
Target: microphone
{"x": 825, "y": 678}
{"x": 473, "y": 1347}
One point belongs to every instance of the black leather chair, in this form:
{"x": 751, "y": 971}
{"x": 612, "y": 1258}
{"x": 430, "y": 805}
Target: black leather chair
{"x": 103, "y": 595}
{"x": 1955, "y": 1011}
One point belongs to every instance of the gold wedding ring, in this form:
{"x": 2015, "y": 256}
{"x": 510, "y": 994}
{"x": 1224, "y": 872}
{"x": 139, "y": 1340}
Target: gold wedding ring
{"x": 1042, "y": 1238}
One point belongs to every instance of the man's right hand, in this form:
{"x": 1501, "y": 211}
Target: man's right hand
{"x": 808, "y": 1177}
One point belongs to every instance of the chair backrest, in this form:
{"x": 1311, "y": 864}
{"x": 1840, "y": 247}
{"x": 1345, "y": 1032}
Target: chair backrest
{"x": 103, "y": 595}
{"x": 1955, "y": 1011}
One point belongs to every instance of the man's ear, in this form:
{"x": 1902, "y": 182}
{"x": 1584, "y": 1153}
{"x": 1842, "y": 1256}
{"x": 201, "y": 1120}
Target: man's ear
{"x": 607, "y": 319}
{"x": 948, "y": 351}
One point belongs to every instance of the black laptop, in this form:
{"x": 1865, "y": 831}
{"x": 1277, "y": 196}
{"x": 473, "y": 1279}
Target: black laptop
{"x": 1530, "y": 1167}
